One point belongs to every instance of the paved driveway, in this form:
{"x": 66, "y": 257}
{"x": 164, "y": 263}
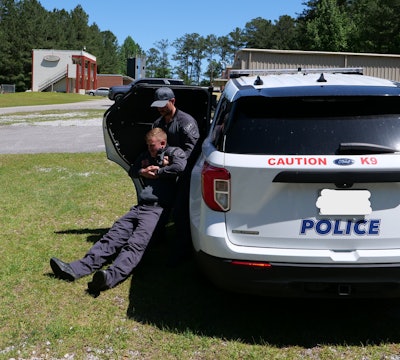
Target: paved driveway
{"x": 69, "y": 136}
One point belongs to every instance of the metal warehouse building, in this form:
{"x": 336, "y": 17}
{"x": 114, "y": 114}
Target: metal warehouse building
{"x": 385, "y": 66}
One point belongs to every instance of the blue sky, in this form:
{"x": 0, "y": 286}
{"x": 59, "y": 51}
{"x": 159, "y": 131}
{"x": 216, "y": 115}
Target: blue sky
{"x": 148, "y": 22}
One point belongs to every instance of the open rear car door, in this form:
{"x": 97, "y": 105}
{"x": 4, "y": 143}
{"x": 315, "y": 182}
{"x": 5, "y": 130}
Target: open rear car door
{"x": 126, "y": 122}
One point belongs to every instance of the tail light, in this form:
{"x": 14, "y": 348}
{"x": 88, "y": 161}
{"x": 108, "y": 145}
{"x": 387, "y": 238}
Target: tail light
{"x": 216, "y": 187}
{"x": 253, "y": 264}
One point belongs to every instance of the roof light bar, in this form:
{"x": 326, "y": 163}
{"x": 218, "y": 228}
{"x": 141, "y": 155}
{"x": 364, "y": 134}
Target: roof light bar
{"x": 249, "y": 72}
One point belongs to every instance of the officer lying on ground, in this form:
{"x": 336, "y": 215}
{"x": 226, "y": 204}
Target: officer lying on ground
{"x": 158, "y": 169}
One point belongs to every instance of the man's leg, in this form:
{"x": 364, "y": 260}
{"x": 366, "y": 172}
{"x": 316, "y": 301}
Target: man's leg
{"x": 131, "y": 253}
{"x": 159, "y": 234}
{"x": 181, "y": 246}
{"x": 107, "y": 246}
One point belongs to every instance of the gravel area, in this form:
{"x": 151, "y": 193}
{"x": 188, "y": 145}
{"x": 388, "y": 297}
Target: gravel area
{"x": 70, "y": 131}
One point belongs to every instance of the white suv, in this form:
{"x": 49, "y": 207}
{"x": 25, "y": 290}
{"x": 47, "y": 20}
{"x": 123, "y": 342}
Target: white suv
{"x": 297, "y": 189}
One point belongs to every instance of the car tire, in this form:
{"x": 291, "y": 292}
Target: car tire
{"x": 118, "y": 97}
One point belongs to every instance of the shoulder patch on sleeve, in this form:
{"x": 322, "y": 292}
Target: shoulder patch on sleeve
{"x": 191, "y": 129}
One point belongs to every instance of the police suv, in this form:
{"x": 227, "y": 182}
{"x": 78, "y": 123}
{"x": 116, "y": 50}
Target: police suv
{"x": 297, "y": 189}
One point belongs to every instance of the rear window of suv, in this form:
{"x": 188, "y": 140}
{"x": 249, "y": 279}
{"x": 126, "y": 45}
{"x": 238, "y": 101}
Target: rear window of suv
{"x": 308, "y": 125}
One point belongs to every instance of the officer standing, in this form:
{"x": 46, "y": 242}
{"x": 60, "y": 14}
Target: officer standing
{"x": 157, "y": 169}
{"x": 182, "y": 131}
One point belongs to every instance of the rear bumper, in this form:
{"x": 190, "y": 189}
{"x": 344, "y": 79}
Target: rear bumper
{"x": 304, "y": 280}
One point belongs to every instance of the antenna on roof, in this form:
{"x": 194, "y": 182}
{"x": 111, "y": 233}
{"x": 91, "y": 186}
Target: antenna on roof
{"x": 258, "y": 81}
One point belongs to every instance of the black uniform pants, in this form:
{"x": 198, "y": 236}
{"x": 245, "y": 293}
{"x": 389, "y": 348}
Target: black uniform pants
{"x": 182, "y": 244}
{"x": 128, "y": 238}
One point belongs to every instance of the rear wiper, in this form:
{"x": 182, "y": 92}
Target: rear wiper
{"x": 364, "y": 148}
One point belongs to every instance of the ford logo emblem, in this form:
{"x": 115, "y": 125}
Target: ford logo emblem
{"x": 343, "y": 162}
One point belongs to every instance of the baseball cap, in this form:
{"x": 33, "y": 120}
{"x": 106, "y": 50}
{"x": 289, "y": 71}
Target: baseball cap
{"x": 162, "y": 96}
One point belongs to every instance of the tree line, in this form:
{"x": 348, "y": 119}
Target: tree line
{"x": 370, "y": 26}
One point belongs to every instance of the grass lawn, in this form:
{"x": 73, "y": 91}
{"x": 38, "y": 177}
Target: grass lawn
{"x": 59, "y": 204}
{"x": 41, "y": 98}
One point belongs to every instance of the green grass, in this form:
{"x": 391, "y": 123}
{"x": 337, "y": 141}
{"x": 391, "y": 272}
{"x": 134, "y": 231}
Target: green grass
{"x": 32, "y": 118}
{"x": 59, "y": 204}
{"x": 41, "y": 98}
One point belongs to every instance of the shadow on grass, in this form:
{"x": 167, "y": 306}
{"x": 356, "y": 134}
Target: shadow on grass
{"x": 94, "y": 234}
{"x": 180, "y": 300}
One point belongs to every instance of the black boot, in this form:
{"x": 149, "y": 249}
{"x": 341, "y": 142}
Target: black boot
{"x": 98, "y": 283}
{"x": 62, "y": 270}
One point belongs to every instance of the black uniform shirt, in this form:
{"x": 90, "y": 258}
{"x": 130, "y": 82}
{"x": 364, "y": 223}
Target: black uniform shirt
{"x": 163, "y": 188}
{"x": 182, "y": 131}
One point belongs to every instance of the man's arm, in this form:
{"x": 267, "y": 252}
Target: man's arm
{"x": 176, "y": 163}
{"x": 189, "y": 133}
{"x": 137, "y": 166}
